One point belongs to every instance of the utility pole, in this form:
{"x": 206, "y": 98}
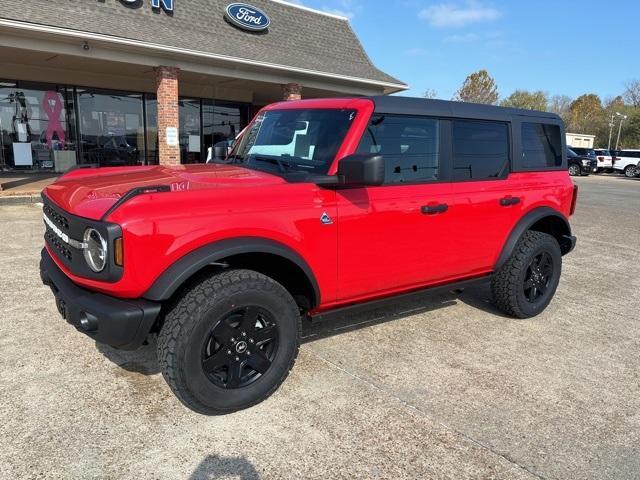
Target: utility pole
{"x": 622, "y": 119}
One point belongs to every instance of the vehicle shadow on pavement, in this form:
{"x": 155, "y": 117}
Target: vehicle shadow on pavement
{"x": 213, "y": 467}
{"x": 144, "y": 360}
{"x": 480, "y": 297}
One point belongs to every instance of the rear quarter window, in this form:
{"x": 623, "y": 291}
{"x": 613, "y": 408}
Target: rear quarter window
{"x": 541, "y": 146}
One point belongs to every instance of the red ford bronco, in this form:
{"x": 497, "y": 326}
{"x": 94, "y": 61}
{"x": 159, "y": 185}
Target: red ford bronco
{"x": 321, "y": 205}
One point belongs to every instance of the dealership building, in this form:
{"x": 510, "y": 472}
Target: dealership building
{"x": 142, "y": 82}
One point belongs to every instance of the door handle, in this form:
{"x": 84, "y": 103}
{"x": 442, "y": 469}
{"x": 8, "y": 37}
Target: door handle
{"x": 434, "y": 209}
{"x": 508, "y": 201}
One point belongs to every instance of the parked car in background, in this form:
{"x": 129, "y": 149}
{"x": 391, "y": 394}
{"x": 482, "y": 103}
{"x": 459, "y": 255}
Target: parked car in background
{"x": 627, "y": 162}
{"x": 580, "y": 164}
{"x": 605, "y": 159}
{"x": 585, "y": 152}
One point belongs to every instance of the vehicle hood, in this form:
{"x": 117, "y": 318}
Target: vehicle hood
{"x": 90, "y": 193}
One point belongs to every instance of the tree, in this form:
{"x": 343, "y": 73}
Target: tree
{"x": 430, "y": 93}
{"x": 478, "y": 87}
{"x": 527, "y": 100}
{"x": 559, "y": 104}
{"x": 614, "y": 104}
{"x": 586, "y": 114}
{"x": 632, "y": 93}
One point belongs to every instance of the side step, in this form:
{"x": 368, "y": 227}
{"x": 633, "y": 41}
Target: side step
{"x": 456, "y": 288}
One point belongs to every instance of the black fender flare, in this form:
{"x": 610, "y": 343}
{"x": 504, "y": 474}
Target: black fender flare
{"x": 524, "y": 224}
{"x": 184, "y": 268}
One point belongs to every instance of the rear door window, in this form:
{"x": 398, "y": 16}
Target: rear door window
{"x": 541, "y": 146}
{"x": 480, "y": 150}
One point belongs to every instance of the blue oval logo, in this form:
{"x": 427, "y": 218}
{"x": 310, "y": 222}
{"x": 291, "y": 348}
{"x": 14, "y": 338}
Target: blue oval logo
{"x": 247, "y": 17}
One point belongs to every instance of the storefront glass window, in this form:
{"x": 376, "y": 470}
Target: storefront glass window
{"x": 111, "y": 127}
{"x": 33, "y": 126}
{"x": 49, "y": 127}
{"x": 222, "y": 121}
{"x": 190, "y": 139}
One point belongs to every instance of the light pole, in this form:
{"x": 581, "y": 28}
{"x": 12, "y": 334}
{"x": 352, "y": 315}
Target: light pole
{"x": 622, "y": 119}
{"x": 611, "y": 125}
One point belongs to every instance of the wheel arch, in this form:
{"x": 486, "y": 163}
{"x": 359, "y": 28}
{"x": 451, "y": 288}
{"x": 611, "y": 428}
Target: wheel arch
{"x": 263, "y": 255}
{"x": 542, "y": 219}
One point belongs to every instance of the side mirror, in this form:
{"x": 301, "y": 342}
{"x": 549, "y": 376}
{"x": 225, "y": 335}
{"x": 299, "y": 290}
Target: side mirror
{"x": 220, "y": 152}
{"x": 361, "y": 170}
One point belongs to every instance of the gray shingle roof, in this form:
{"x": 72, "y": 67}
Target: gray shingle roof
{"x": 296, "y": 38}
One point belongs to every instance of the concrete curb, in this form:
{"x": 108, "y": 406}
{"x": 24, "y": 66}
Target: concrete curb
{"x": 29, "y": 199}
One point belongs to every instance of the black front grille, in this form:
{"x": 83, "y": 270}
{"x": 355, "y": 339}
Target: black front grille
{"x": 60, "y": 220}
{"x": 53, "y": 241}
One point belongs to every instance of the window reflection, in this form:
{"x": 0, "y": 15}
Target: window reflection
{"x": 111, "y": 127}
{"x": 49, "y": 127}
{"x": 190, "y": 141}
{"x": 33, "y": 126}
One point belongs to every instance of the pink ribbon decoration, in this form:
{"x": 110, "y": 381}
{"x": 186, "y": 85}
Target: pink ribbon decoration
{"x": 52, "y": 106}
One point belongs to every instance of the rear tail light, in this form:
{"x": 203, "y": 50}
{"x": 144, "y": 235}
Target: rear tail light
{"x": 574, "y": 200}
{"x": 601, "y": 159}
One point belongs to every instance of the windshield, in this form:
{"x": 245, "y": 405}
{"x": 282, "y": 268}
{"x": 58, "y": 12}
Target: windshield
{"x": 293, "y": 141}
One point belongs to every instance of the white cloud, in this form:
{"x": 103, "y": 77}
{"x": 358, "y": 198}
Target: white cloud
{"x": 452, "y": 15}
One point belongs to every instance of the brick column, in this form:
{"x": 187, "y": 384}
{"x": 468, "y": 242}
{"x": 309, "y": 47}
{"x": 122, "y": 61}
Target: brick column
{"x": 292, "y": 91}
{"x": 168, "y": 115}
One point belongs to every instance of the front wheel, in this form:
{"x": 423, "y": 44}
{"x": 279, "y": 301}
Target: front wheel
{"x": 524, "y": 286}
{"x": 574, "y": 170}
{"x": 630, "y": 171}
{"x": 229, "y": 342}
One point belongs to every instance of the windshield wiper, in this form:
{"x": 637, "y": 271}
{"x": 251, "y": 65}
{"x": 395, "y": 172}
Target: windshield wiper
{"x": 275, "y": 160}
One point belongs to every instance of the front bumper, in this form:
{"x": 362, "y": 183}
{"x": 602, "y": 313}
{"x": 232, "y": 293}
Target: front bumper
{"x": 121, "y": 323}
{"x": 587, "y": 169}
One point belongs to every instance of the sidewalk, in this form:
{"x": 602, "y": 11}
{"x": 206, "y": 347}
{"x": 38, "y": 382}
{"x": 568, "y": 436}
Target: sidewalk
{"x": 20, "y": 188}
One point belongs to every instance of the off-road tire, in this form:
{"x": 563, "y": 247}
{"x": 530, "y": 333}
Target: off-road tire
{"x": 190, "y": 319}
{"x": 507, "y": 284}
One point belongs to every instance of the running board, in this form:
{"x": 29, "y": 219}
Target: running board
{"x": 455, "y": 287}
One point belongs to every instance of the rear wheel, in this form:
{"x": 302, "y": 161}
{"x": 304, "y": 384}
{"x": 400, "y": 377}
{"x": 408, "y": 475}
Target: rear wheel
{"x": 229, "y": 342}
{"x": 525, "y": 285}
{"x": 630, "y": 171}
{"x": 574, "y": 170}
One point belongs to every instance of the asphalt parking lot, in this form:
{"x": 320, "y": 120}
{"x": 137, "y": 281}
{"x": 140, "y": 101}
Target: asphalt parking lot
{"x": 439, "y": 387}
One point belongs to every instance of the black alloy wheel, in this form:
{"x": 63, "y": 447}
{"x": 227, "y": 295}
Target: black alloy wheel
{"x": 538, "y": 276}
{"x": 240, "y": 348}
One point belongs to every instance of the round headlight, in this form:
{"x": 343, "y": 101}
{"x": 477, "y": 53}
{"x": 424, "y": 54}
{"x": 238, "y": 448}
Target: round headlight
{"x": 95, "y": 252}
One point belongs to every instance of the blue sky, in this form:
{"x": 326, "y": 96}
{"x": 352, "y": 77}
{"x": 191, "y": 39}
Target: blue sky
{"x": 567, "y": 47}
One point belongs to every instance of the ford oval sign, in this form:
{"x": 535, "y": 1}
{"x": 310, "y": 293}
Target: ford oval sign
{"x": 247, "y": 17}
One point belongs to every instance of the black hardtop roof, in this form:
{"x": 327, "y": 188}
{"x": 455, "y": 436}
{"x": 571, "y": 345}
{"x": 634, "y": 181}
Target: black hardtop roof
{"x": 442, "y": 108}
